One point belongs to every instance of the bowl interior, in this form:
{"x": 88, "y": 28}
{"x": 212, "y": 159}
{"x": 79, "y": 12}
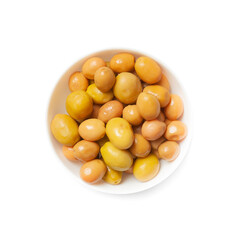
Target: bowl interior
{"x": 129, "y": 183}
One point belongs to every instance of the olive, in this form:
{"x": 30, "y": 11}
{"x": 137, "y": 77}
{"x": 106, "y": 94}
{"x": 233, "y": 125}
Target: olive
{"x": 65, "y": 129}
{"x": 127, "y": 87}
{"x": 169, "y": 150}
{"x": 90, "y": 67}
{"x": 148, "y": 70}
{"x": 122, "y": 62}
{"x": 176, "y": 131}
{"x": 79, "y": 105}
{"x": 93, "y": 171}
{"x": 86, "y": 150}
{"x": 77, "y": 81}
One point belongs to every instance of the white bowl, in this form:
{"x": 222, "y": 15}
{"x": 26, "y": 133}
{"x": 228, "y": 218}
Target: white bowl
{"x": 129, "y": 184}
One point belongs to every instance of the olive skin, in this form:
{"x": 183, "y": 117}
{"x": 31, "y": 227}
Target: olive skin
{"x": 79, "y": 105}
{"x": 109, "y": 110}
{"x": 154, "y": 129}
{"x": 68, "y": 153}
{"x": 145, "y": 169}
{"x": 148, "y": 70}
{"x": 161, "y": 93}
{"x": 90, "y": 67}
{"x": 148, "y": 106}
{"x": 93, "y": 171}
{"x": 92, "y": 129}
{"x": 77, "y": 81}
{"x": 169, "y": 150}
{"x": 141, "y": 147}
{"x": 164, "y": 82}
{"x": 174, "y": 109}
{"x": 104, "y": 79}
{"x": 131, "y": 114}
{"x": 127, "y": 87}
{"x": 176, "y": 131}
{"x": 86, "y": 150}
{"x": 112, "y": 176}
{"x": 117, "y": 159}
{"x": 122, "y": 62}
{"x": 120, "y": 133}
{"x": 65, "y": 129}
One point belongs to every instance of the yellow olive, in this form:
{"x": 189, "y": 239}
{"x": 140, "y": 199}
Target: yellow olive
{"x": 164, "y": 82}
{"x": 174, "y": 109}
{"x": 169, "y": 150}
{"x": 79, "y": 105}
{"x": 103, "y": 140}
{"x": 68, "y": 153}
{"x": 112, "y": 176}
{"x": 95, "y": 111}
{"x": 161, "y": 93}
{"x": 176, "y": 131}
{"x": 77, "y": 81}
{"x": 154, "y": 129}
{"x": 98, "y": 96}
{"x": 156, "y": 143}
{"x": 147, "y": 168}
{"x": 91, "y": 66}
{"x": 148, "y": 70}
{"x": 141, "y": 147}
{"x": 86, "y": 150}
{"x": 161, "y": 117}
{"x": 104, "y": 79}
{"x": 122, "y": 62}
{"x": 127, "y": 87}
{"x": 65, "y": 129}
{"x": 117, "y": 159}
{"x": 93, "y": 171}
{"x": 120, "y": 133}
{"x": 109, "y": 110}
{"x": 148, "y": 106}
{"x": 131, "y": 114}
{"x": 92, "y": 129}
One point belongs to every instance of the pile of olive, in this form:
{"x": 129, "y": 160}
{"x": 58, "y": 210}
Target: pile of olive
{"x": 122, "y": 118}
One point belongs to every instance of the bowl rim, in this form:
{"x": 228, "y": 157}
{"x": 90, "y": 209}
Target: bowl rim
{"x": 189, "y": 126}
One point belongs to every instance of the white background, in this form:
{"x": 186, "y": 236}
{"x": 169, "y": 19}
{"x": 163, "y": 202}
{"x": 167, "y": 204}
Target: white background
{"x": 199, "y": 40}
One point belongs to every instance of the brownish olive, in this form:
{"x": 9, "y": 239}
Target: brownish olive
{"x": 104, "y": 79}
{"x": 154, "y": 129}
{"x": 86, "y": 150}
{"x": 141, "y": 147}
{"x": 131, "y": 114}
{"x": 122, "y": 62}
{"x": 176, "y": 131}
{"x": 169, "y": 150}
{"x": 109, "y": 110}
{"x": 91, "y": 66}
{"x": 148, "y": 106}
